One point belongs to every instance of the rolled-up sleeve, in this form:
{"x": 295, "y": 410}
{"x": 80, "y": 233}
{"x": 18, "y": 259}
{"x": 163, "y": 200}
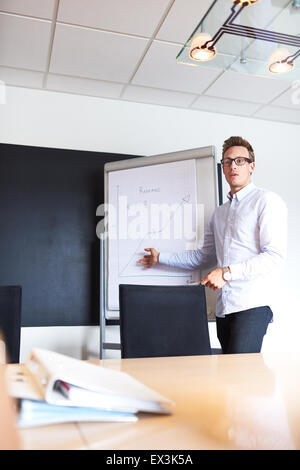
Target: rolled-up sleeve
{"x": 193, "y": 259}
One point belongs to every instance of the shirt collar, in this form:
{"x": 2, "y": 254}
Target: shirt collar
{"x": 242, "y": 192}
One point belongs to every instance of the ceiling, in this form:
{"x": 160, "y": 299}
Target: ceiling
{"x": 126, "y": 50}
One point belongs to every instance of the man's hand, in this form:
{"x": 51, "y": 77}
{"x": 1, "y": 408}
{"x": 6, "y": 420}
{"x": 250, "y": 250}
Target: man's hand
{"x": 150, "y": 260}
{"x": 214, "y": 279}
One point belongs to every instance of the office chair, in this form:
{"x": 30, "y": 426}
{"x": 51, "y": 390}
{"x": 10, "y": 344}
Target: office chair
{"x": 10, "y": 320}
{"x": 163, "y": 321}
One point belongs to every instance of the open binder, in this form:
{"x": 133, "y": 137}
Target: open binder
{"x": 60, "y": 388}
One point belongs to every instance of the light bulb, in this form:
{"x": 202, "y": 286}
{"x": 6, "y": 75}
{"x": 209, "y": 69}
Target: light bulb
{"x": 281, "y": 67}
{"x": 198, "y": 52}
{"x": 278, "y": 62}
{"x": 245, "y": 2}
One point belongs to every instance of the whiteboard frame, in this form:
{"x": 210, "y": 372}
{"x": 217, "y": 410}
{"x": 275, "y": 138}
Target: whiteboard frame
{"x": 208, "y": 152}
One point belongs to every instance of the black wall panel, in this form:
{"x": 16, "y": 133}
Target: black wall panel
{"x": 48, "y": 241}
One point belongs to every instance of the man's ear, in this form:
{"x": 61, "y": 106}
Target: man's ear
{"x": 251, "y": 167}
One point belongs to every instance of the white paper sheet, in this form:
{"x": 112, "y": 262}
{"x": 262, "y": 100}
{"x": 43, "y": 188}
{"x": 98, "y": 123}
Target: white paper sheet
{"x": 152, "y": 206}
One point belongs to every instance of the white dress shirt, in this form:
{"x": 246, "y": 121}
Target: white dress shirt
{"x": 249, "y": 234}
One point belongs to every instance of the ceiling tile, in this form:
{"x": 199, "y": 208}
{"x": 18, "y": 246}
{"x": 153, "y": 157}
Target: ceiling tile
{"x": 24, "y": 78}
{"x": 262, "y": 13}
{"x": 182, "y": 19}
{"x": 37, "y": 8}
{"x": 276, "y": 113}
{"x": 159, "y": 69}
{"x": 287, "y": 21}
{"x": 156, "y": 96}
{"x": 95, "y": 54}
{"x": 220, "y": 105}
{"x": 140, "y": 17}
{"x": 84, "y": 86}
{"x": 24, "y": 42}
{"x": 290, "y": 98}
{"x": 238, "y": 86}
{"x": 256, "y": 51}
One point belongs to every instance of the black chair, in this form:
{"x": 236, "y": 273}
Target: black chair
{"x": 10, "y": 320}
{"x": 163, "y": 321}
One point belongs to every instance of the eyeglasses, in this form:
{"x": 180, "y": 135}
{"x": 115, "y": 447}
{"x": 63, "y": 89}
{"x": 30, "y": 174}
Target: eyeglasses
{"x": 239, "y": 161}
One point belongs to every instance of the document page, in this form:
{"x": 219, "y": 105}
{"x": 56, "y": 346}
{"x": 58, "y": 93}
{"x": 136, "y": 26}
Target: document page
{"x": 152, "y": 206}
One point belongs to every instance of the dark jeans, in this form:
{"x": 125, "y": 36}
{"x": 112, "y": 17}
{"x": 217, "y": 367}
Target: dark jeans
{"x": 243, "y": 332}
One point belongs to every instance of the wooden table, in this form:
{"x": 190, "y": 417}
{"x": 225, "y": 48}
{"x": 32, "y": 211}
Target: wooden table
{"x": 243, "y": 401}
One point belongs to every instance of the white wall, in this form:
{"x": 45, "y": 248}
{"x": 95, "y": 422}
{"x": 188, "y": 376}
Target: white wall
{"x": 48, "y": 119}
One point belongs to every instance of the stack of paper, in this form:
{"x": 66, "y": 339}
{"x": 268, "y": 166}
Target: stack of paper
{"x": 38, "y": 413}
{"x": 54, "y": 388}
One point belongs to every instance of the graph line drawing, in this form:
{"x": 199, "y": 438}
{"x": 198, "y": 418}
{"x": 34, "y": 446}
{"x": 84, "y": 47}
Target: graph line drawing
{"x": 153, "y": 234}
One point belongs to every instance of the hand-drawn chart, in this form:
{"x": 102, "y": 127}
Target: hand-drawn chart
{"x": 152, "y": 206}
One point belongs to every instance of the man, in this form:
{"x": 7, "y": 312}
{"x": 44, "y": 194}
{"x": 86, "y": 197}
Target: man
{"x": 246, "y": 238}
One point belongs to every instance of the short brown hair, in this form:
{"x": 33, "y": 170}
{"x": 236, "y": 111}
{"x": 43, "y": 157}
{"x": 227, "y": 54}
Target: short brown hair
{"x": 240, "y": 142}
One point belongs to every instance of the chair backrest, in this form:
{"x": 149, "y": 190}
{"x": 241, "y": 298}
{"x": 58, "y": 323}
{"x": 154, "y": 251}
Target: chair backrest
{"x": 163, "y": 321}
{"x": 10, "y": 320}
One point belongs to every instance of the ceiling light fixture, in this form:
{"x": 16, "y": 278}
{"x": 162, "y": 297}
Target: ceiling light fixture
{"x": 200, "y": 49}
{"x": 202, "y": 46}
{"x": 280, "y": 61}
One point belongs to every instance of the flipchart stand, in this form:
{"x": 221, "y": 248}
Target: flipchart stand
{"x": 104, "y": 322}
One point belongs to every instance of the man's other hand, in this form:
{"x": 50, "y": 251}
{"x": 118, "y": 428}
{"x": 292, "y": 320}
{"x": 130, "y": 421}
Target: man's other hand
{"x": 150, "y": 260}
{"x": 214, "y": 279}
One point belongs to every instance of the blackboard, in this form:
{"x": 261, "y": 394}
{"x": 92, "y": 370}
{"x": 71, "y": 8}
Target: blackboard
{"x": 48, "y": 240}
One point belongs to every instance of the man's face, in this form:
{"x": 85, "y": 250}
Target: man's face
{"x": 237, "y": 176}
